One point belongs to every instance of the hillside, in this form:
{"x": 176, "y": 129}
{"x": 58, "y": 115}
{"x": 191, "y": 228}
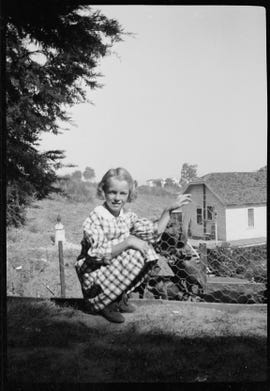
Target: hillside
{"x": 32, "y": 257}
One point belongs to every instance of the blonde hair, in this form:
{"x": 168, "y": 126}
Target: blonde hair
{"x": 121, "y": 174}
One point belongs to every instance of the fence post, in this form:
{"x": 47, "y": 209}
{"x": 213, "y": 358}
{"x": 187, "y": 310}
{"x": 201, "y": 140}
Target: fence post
{"x": 62, "y": 269}
{"x": 59, "y": 231}
{"x": 59, "y": 238}
{"x": 203, "y": 256}
{"x": 216, "y": 228}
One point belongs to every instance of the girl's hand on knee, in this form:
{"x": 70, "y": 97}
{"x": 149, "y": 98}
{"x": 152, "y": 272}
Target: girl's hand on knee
{"x": 138, "y": 244}
{"x": 182, "y": 200}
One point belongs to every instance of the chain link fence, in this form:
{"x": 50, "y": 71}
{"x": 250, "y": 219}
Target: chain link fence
{"x": 222, "y": 273}
{"x": 186, "y": 272}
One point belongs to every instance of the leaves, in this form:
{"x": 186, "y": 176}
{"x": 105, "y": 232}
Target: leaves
{"x": 52, "y": 51}
{"x": 188, "y": 173}
{"x": 89, "y": 173}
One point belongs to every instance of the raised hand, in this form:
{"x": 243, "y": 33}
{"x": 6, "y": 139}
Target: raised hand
{"x": 181, "y": 200}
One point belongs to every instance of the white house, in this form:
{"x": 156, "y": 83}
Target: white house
{"x": 162, "y": 181}
{"x": 227, "y": 206}
{"x": 150, "y": 182}
{"x": 153, "y": 182}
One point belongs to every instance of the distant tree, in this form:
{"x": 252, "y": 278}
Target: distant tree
{"x": 89, "y": 173}
{"x": 76, "y": 175}
{"x": 188, "y": 173}
{"x": 52, "y": 51}
{"x": 169, "y": 182}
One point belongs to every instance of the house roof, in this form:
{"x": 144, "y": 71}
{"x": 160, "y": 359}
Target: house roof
{"x": 235, "y": 188}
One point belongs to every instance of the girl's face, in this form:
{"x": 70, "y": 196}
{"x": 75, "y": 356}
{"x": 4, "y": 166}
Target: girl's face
{"x": 116, "y": 195}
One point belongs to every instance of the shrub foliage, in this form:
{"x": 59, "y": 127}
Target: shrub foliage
{"x": 76, "y": 190}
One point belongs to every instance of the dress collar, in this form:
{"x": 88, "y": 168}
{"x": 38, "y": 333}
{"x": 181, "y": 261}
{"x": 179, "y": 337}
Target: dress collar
{"x": 106, "y": 214}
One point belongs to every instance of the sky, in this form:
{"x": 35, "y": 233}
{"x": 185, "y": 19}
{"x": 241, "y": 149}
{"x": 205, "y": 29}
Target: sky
{"x": 188, "y": 86}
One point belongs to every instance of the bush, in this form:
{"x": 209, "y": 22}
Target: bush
{"x": 77, "y": 190}
{"x": 18, "y": 199}
{"x": 21, "y": 194}
{"x": 156, "y": 191}
{"x": 248, "y": 263}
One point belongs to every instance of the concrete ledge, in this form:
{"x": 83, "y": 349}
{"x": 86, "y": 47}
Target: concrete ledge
{"x": 78, "y": 303}
{"x": 229, "y": 280}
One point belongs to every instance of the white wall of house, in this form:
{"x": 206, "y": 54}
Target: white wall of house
{"x": 237, "y": 223}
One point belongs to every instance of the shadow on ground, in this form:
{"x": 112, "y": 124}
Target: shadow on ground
{"x": 51, "y": 343}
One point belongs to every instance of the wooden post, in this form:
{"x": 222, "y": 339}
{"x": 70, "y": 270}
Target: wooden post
{"x": 203, "y": 256}
{"x": 176, "y": 220}
{"x": 59, "y": 231}
{"x": 62, "y": 269}
{"x": 204, "y": 210}
{"x": 216, "y": 230}
{"x": 59, "y": 239}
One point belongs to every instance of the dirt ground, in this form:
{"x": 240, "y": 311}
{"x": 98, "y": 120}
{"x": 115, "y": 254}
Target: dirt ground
{"x": 161, "y": 342}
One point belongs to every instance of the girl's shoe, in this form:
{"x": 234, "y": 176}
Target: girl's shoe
{"x": 124, "y": 306}
{"x": 111, "y": 313}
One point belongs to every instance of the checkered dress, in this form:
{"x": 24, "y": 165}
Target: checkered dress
{"x": 122, "y": 273}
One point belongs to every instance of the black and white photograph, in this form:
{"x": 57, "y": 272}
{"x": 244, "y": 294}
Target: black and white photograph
{"x": 136, "y": 202}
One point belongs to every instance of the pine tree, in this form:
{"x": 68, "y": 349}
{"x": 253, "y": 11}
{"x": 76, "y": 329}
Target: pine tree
{"x": 53, "y": 49}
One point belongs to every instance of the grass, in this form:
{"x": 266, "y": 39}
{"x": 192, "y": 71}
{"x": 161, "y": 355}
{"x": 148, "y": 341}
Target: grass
{"x": 175, "y": 342}
{"x": 42, "y": 215}
{"x": 31, "y": 247}
{"x": 39, "y": 276}
{"x": 47, "y": 343}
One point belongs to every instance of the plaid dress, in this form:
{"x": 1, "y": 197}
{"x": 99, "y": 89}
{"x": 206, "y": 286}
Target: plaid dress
{"x": 122, "y": 273}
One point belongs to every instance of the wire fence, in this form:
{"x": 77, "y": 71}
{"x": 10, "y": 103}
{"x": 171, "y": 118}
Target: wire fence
{"x": 184, "y": 271}
{"x": 222, "y": 273}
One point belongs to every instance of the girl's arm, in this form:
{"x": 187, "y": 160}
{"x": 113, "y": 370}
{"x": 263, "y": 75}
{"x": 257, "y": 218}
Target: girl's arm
{"x": 100, "y": 247}
{"x": 182, "y": 199}
{"x": 148, "y": 230}
{"x": 130, "y": 242}
{"x": 142, "y": 245}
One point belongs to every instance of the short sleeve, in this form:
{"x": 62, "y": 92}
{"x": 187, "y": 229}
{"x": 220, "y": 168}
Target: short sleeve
{"x": 101, "y": 248}
{"x": 144, "y": 229}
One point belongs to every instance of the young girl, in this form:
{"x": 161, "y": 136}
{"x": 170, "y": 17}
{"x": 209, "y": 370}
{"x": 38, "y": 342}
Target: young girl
{"x": 119, "y": 244}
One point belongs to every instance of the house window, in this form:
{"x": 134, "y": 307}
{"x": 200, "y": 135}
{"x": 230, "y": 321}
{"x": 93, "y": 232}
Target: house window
{"x": 199, "y": 215}
{"x": 210, "y": 213}
{"x": 251, "y": 218}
